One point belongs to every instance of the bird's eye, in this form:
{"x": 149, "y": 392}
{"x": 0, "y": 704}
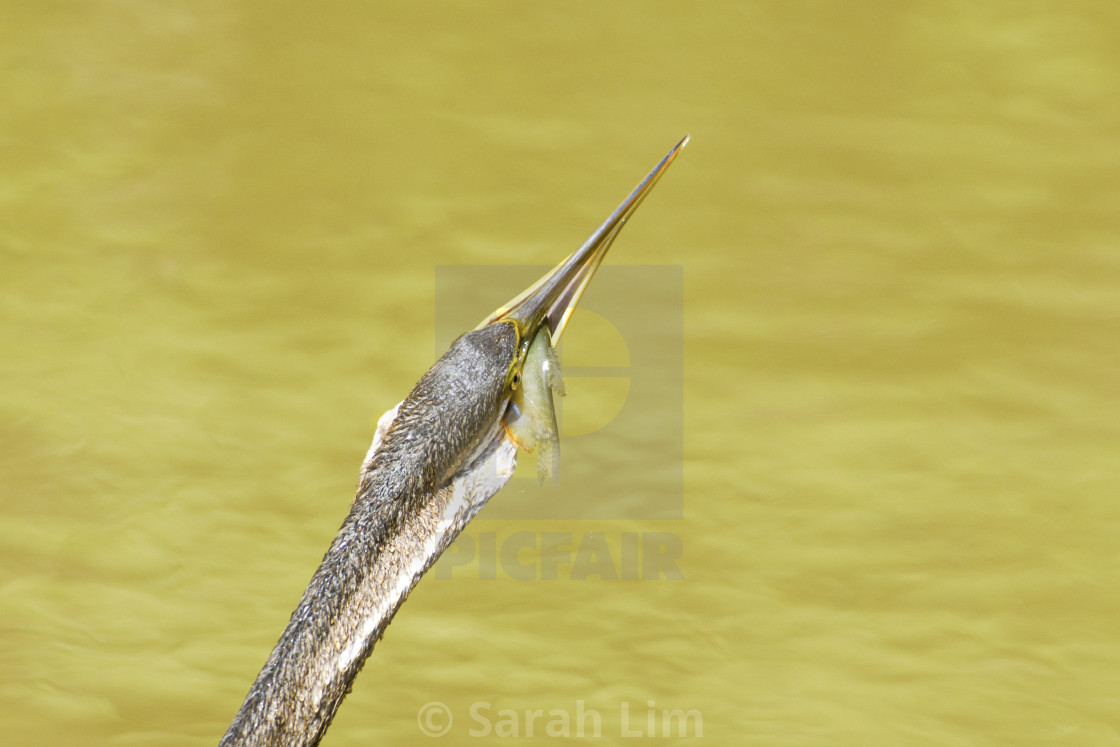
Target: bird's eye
{"x": 516, "y": 379}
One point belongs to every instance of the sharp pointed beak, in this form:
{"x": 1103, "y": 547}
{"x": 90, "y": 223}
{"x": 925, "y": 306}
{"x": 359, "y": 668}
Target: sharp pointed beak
{"x": 552, "y": 299}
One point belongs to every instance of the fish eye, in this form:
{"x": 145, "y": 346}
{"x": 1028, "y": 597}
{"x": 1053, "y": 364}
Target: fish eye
{"x": 515, "y": 380}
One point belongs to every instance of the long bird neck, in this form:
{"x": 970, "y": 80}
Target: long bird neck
{"x": 438, "y": 459}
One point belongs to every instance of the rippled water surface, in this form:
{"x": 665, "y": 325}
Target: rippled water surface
{"x": 221, "y": 229}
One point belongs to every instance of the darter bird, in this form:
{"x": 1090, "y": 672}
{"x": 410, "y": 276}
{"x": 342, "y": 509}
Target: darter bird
{"x": 436, "y": 459}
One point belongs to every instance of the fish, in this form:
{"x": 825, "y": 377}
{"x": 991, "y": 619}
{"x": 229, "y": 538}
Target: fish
{"x": 530, "y": 419}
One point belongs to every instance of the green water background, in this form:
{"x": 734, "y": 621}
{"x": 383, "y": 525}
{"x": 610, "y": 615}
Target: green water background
{"x": 897, "y": 227}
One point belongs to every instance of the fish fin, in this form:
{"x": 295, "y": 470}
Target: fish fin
{"x": 550, "y": 440}
{"x": 555, "y": 373}
{"x": 548, "y": 459}
{"x": 544, "y": 460}
{"x": 510, "y": 435}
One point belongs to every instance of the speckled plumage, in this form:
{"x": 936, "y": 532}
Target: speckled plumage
{"x": 437, "y": 463}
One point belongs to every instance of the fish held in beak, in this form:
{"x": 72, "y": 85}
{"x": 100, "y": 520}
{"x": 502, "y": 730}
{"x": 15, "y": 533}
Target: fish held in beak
{"x": 530, "y": 418}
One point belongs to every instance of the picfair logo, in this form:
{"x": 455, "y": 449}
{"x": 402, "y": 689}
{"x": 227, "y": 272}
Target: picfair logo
{"x": 622, "y": 421}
